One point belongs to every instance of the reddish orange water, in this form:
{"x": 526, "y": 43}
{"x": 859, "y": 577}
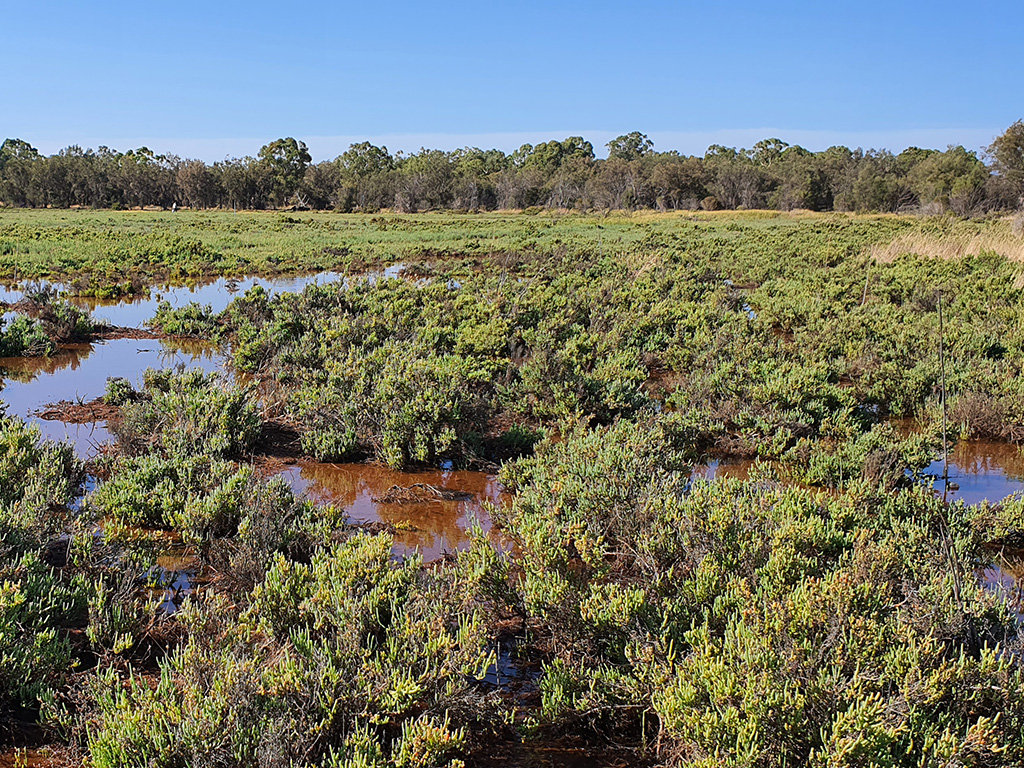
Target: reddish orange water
{"x": 432, "y": 528}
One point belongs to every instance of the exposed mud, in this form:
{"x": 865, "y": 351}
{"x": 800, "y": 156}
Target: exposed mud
{"x": 79, "y": 413}
{"x": 111, "y": 332}
{"x": 420, "y": 493}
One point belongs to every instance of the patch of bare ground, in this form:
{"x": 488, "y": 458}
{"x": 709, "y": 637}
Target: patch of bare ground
{"x": 23, "y": 305}
{"x": 277, "y": 447}
{"x": 79, "y": 413}
{"x": 46, "y": 756}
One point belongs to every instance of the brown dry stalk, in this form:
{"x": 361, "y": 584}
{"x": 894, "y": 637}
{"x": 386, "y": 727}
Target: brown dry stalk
{"x": 952, "y": 245}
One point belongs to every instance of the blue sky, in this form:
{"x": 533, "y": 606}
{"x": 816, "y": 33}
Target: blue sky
{"x": 212, "y": 79}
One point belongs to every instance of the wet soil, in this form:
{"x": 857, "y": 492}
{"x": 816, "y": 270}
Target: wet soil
{"x": 79, "y": 413}
{"x": 111, "y": 332}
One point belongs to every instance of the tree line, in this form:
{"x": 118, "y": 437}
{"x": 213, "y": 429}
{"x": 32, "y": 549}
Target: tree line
{"x": 553, "y": 174}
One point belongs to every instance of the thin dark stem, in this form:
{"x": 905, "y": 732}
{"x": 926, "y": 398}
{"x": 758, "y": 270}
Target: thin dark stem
{"x": 942, "y": 371}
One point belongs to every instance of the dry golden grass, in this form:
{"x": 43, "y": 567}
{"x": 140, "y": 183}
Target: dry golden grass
{"x": 999, "y": 238}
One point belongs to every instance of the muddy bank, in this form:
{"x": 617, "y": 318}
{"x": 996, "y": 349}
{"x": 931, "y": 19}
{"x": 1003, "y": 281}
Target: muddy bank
{"x": 79, "y": 413}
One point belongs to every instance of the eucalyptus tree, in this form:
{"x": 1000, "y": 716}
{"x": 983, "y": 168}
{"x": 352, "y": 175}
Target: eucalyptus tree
{"x": 285, "y": 161}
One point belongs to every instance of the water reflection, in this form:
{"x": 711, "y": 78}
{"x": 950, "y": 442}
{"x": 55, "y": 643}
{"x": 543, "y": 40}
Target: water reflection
{"x": 134, "y": 311}
{"x": 1006, "y": 577}
{"x": 172, "y": 579}
{"x": 80, "y": 372}
{"x": 433, "y": 528}
{"x": 980, "y": 470}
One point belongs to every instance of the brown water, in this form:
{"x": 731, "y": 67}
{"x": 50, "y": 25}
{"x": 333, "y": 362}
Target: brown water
{"x": 734, "y": 468}
{"x": 434, "y": 528}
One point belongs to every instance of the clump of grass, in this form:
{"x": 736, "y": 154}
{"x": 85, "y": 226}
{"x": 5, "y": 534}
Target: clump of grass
{"x": 953, "y": 244}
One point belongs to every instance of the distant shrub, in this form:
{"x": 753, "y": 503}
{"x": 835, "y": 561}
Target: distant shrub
{"x": 191, "y": 320}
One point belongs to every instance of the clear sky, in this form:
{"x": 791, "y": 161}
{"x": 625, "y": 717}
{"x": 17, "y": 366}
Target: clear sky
{"x": 212, "y": 79}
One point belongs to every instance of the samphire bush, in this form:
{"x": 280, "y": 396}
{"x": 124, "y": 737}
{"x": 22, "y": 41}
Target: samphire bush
{"x": 188, "y": 413}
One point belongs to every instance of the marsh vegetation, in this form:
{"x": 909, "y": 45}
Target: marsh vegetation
{"x": 452, "y": 503}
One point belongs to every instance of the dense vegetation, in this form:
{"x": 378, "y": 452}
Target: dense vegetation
{"x": 554, "y": 174}
{"x": 825, "y": 612}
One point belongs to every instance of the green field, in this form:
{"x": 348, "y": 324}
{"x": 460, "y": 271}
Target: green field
{"x": 116, "y": 245}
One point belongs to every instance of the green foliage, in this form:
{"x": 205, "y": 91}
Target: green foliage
{"x": 191, "y": 493}
{"x": 191, "y": 320}
{"x": 189, "y": 414}
{"x": 825, "y": 612}
{"x": 762, "y": 625}
{"x": 37, "y": 481}
{"x": 65, "y": 322}
{"x": 407, "y": 409}
{"x": 119, "y": 391}
{"x": 22, "y": 336}
{"x": 378, "y": 653}
{"x": 34, "y": 607}
{"x": 551, "y": 175}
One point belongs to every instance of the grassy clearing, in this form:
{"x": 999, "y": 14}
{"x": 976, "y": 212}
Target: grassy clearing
{"x": 116, "y": 246}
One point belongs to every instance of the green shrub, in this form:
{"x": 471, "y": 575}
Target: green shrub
{"x": 349, "y": 655}
{"x": 24, "y": 337}
{"x": 119, "y": 391}
{"x": 37, "y": 602}
{"x": 190, "y": 414}
{"x": 191, "y": 320}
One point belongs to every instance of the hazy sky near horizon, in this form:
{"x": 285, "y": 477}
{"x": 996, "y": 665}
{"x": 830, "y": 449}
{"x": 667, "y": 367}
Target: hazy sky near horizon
{"x": 216, "y": 79}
